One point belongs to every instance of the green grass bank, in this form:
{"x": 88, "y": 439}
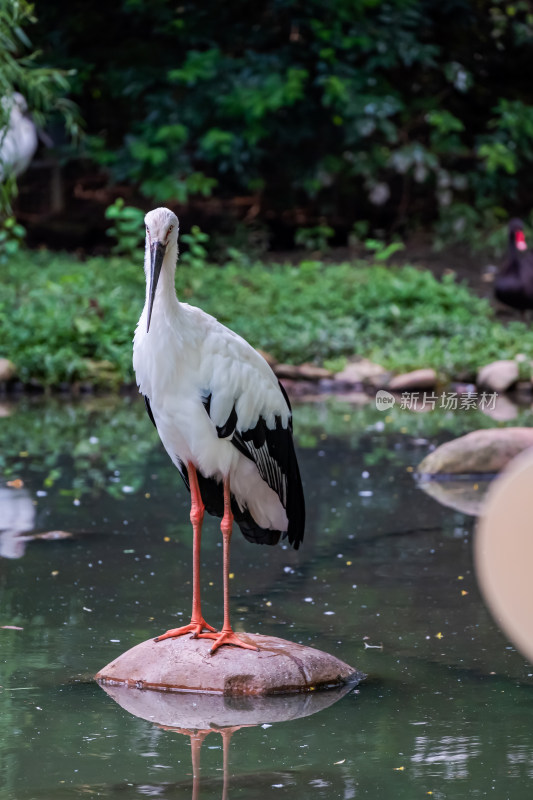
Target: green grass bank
{"x": 66, "y": 320}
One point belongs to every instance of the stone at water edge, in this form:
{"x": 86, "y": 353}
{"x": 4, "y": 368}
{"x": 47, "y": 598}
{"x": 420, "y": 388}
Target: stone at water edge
{"x": 185, "y": 664}
{"x": 418, "y": 379}
{"x": 307, "y": 372}
{"x": 498, "y": 376}
{"x": 361, "y": 372}
{"x": 484, "y": 451}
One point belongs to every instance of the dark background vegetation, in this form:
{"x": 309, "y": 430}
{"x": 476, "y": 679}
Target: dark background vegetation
{"x": 270, "y": 125}
{"x": 282, "y": 114}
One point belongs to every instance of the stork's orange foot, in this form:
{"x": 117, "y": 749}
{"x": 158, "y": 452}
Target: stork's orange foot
{"x": 193, "y": 627}
{"x": 226, "y": 637}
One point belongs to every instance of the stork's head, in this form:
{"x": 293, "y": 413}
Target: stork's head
{"x": 15, "y": 104}
{"x": 516, "y": 234}
{"x": 162, "y": 228}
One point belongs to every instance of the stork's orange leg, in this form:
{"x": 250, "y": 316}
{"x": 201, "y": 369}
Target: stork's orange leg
{"x": 227, "y": 635}
{"x": 197, "y": 623}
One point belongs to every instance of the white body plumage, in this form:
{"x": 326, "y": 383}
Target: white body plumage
{"x": 18, "y": 140}
{"x": 186, "y": 356}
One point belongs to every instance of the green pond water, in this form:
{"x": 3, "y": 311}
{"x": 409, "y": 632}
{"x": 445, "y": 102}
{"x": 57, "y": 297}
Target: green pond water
{"x": 384, "y": 580}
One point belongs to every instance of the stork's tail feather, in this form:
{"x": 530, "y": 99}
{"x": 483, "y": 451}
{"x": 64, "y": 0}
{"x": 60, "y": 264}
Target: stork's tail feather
{"x": 212, "y": 495}
{"x": 295, "y": 500}
{"x": 253, "y": 533}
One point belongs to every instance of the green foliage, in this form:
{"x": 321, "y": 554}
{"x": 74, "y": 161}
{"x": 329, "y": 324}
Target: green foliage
{"x": 128, "y": 227}
{"x": 44, "y": 88}
{"x": 11, "y": 238}
{"x": 335, "y": 364}
{"x": 196, "y": 242}
{"x": 315, "y": 238}
{"x": 381, "y": 251}
{"x": 63, "y": 320}
{"x": 483, "y": 230}
{"x": 382, "y": 110}
{"x": 498, "y": 157}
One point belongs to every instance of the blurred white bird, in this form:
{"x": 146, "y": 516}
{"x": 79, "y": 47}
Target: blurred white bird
{"x": 222, "y": 416}
{"x": 18, "y": 139}
{"x": 17, "y": 517}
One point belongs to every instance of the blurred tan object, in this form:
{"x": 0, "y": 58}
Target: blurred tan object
{"x": 7, "y": 369}
{"x": 503, "y": 552}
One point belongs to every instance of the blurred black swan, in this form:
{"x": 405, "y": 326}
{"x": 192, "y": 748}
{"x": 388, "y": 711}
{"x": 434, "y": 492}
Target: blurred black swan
{"x": 514, "y": 283}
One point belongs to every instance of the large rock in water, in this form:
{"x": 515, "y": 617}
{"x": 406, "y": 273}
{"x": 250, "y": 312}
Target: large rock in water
{"x": 484, "y": 451}
{"x": 185, "y": 664}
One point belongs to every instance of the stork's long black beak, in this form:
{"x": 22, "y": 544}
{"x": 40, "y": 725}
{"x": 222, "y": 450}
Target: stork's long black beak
{"x": 157, "y": 254}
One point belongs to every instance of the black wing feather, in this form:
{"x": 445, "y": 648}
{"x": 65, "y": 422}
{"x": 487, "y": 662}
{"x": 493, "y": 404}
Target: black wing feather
{"x": 286, "y": 398}
{"x": 213, "y": 497}
{"x": 272, "y": 450}
{"x": 149, "y": 410}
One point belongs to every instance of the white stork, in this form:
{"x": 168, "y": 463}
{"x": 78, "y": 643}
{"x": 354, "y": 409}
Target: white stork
{"x": 223, "y": 418}
{"x": 18, "y": 140}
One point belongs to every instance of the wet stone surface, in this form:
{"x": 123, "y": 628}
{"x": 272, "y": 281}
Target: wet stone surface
{"x": 186, "y": 664}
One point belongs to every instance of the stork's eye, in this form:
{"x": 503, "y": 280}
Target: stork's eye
{"x": 171, "y": 228}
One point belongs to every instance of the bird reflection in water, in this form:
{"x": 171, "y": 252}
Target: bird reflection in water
{"x": 17, "y": 523}
{"x": 197, "y": 740}
{"x": 197, "y": 715}
{"x": 17, "y": 519}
